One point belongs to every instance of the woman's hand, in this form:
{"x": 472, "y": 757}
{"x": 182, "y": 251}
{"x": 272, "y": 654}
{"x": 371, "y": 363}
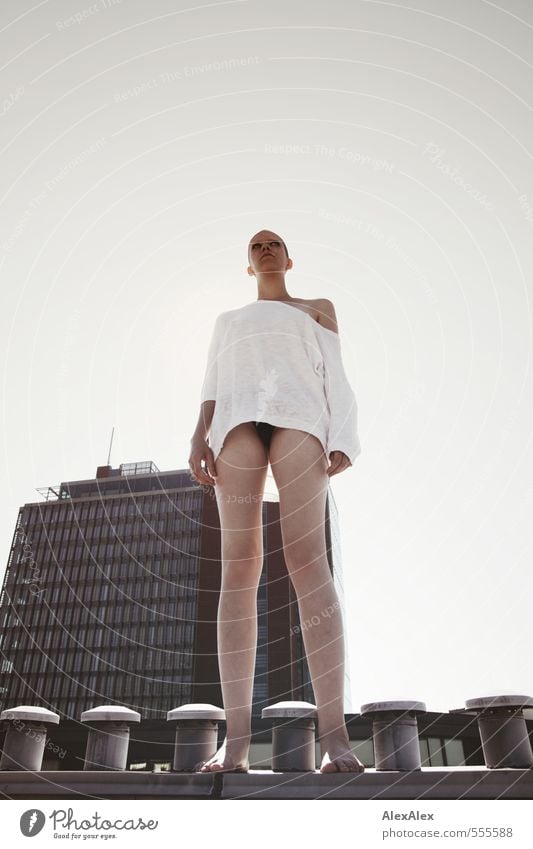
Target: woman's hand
{"x": 200, "y": 451}
{"x": 339, "y": 462}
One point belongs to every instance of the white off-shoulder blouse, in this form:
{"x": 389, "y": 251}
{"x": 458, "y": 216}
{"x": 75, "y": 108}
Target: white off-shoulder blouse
{"x": 269, "y": 361}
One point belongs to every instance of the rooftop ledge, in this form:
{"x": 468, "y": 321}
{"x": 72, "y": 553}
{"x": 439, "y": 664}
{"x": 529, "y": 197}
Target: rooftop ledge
{"x": 427, "y": 783}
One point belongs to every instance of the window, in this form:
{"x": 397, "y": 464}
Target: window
{"x": 454, "y": 752}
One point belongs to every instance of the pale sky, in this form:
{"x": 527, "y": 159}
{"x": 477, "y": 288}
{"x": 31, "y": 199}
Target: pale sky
{"x": 389, "y": 144}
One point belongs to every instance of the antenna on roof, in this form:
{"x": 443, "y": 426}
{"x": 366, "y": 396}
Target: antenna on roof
{"x": 110, "y": 444}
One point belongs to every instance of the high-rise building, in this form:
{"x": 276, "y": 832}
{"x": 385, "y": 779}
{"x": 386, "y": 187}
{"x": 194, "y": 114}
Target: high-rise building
{"x": 111, "y": 592}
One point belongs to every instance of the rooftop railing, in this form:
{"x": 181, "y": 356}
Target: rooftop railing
{"x": 398, "y": 773}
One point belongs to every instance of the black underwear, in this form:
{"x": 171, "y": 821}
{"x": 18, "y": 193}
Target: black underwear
{"x": 265, "y": 431}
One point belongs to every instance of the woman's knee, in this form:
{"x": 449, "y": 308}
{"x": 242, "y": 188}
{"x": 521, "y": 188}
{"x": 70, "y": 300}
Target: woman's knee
{"x": 303, "y": 530}
{"x": 305, "y": 551}
{"x": 311, "y": 577}
{"x": 299, "y": 557}
{"x": 238, "y": 546}
{"x": 241, "y": 573}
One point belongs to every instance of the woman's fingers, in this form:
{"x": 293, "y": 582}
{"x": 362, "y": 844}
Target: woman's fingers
{"x": 198, "y": 473}
{"x": 339, "y": 462}
{"x": 335, "y": 460}
{"x": 211, "y": 468}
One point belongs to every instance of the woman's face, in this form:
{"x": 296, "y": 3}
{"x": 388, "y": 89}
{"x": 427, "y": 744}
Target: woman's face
{"x": 266, "y": 252}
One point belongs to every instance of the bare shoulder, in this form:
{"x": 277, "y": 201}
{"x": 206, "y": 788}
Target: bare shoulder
{"x": 325, "y": 314}
{"x": 320, "y": 310}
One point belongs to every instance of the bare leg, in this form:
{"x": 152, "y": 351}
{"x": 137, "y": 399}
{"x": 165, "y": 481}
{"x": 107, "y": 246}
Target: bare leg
{"x": 241, "y": 472}
{"x": 299, "y": 467}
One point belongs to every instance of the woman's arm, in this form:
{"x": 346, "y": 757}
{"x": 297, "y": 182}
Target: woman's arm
{"x": 343, "y": 437}
{"x": 207, "y": 411}
{"x": 200, "y": 450}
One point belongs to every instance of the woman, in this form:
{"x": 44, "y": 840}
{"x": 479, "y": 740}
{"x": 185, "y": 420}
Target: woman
{"x": 275, "y": 391}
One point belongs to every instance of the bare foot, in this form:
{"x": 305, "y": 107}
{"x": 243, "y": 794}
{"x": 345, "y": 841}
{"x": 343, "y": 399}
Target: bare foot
{"x": 339, "y": 757}
{"x": 226, "y": 759}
